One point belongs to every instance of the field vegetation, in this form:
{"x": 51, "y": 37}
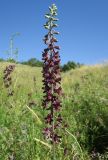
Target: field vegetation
{"x": 84, "y": 109}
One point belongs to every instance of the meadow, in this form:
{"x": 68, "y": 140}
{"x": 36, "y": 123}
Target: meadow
{"x": 84, "y": 108}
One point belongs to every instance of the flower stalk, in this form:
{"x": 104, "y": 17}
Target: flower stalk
{"x": 8, "y": 79}
{"x": 52, "y": 80}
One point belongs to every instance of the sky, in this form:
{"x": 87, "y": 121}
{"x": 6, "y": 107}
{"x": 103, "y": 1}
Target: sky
{"x": 83, "y": 27}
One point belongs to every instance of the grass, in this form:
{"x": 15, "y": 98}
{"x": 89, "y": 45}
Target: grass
{"x": 85, "y": 110}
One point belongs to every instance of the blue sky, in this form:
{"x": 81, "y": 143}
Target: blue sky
{"x": 83, "y": 27}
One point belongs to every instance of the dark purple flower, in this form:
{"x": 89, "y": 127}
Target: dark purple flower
{"x": 49, "y": 119}
{"x": 57, "y": 47}
{"x": 47, "y": 132}
{"x": 56, "y": 104}
{"x": 57, "y": 138}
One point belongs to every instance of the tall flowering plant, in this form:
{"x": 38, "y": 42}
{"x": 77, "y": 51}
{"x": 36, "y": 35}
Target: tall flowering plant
{"x": 7, "y": 79}
{"x": 52, "y": 79}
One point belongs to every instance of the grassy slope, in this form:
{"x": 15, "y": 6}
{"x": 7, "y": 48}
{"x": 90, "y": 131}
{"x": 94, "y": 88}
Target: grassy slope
{"x": 85, "y": 109}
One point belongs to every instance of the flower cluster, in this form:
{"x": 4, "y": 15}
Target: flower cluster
{"x": 52, "y": 79}
{"x": 7, "y": 78}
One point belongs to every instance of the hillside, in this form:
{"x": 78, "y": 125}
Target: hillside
{"x": 85, "y": 111}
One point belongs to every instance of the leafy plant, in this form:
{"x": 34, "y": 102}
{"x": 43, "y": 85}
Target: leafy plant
{"x": 33, "y": 62}
{"x": 52, "y": 80}
{"x": 70, "y": 65}
{"x": 8, "y": 79}
{"x": 12, "y": 54}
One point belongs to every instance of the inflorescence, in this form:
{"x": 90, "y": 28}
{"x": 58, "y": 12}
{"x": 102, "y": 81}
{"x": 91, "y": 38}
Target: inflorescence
{"x": 8, "y": 79}
{"x": 52, "y": 79}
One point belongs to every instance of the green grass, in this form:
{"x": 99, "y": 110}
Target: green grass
{"x": 85, "y": 110}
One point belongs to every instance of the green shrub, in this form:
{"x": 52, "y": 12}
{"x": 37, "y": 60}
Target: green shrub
{"x": 1, "y": 59}
{"x": 33, "y": 62}
{"x": 70, "y": 65}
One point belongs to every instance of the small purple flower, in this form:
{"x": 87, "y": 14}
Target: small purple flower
{"x": 57, "y": 138}
{"x": 56, "y": 104}
{"x": 47, "y": 132}
{"x": 49, "y": 119}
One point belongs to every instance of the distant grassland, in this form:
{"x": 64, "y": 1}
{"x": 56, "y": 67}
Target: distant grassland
{"x": 85, "y": 110}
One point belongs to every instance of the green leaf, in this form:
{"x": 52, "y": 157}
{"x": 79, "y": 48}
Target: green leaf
{"x": 54, "y": 25}
{"x": 53, "y": 10}
{"x": 46, "y": 26}
{"x": 47, "y": 16}
{"x": 54, "y": 19}
{"x": 54, "y": 7}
